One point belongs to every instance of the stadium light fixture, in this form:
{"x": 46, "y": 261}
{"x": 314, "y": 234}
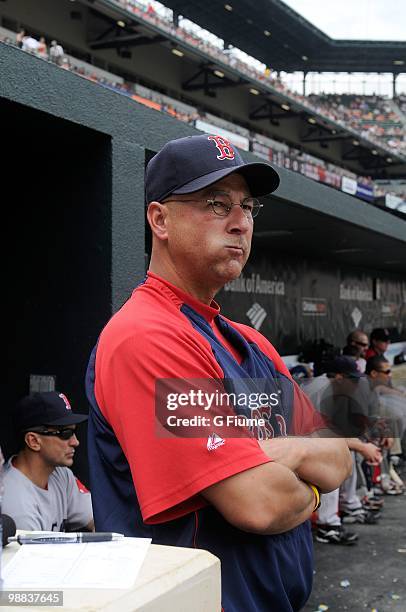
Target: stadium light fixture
{"x": 228, "y": 7}
{"x": 285, "y": 107}
{"x": 304, "y": 58}
{"x": 389, "y": 160}
{"x": 374, "y": 152}
{"x": 355, "y": 143}
{"x": 312, "y": 120}
{"x": 267, "y": 33}
{"x": 398, "y": 62}
{"x": 219, "y": 74}
{"x": 121, "y": 23}
{"x": 254, "y": 92}
{"x": 177, "y": 52}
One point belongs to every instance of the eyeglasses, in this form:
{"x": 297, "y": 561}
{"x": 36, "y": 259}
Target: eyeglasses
{"x": 63, "y": 434}
{"x": 221, "y": 205}
{"x": 385, "y": 371}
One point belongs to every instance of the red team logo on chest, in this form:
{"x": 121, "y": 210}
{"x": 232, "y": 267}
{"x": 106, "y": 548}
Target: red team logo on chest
{"x": 225, "y": 149}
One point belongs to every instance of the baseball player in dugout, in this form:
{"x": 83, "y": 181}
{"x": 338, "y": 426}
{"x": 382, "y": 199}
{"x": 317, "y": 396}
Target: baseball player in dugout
{"x": 198, "y": 435}
{"x": 40, "y": 491}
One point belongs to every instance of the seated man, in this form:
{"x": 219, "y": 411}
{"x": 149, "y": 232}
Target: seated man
{"x": 393, "y": 405}
{"x": 379, "y": 342}
{"x": 347, "y": 402}
{"x": 357, "y": 345}
{"x": 40, "y": 491}
{"x": 379, "y": 371}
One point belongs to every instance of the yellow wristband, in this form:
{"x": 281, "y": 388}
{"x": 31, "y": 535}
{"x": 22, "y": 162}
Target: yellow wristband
{"x": 316, "y": 496}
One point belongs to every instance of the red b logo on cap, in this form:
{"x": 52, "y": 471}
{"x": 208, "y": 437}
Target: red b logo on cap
{"x": 65, "y": 399}
{"x": 225, "y": 149}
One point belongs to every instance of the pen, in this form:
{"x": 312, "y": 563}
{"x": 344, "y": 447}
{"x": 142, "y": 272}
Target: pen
{"x": 65, "y": 538}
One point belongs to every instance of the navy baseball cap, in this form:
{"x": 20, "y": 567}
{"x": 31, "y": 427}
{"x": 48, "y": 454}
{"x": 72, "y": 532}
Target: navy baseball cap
{"x": 188, "y": 164}
{"x": 346, "y": 365}
{"x": 380, "y": 334}
{"x": 46, "y": 408}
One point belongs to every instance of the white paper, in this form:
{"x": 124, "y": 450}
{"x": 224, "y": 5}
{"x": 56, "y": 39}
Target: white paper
{"x": 104, "y": 565}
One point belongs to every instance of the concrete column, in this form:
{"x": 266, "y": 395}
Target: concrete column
{"x": 394, "y": 77}
{"x": 304, "y": 82}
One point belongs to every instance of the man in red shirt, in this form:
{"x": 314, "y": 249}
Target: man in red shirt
{"x": 247, "y": 500}
{"x": 379, "y": 342}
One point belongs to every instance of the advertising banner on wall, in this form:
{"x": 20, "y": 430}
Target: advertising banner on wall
{"x": 365, "y": 192}
{"x": 293, "y": 301}
{"x": 349, "y": 185}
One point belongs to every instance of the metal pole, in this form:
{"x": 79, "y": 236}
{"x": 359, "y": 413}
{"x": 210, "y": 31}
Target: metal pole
{"x": 395, "y": 76}
{"x": 304, "y": 82}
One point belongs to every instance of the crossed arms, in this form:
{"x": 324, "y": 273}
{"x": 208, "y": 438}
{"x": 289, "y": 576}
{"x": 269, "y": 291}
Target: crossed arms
{"x": 274, "y": 497}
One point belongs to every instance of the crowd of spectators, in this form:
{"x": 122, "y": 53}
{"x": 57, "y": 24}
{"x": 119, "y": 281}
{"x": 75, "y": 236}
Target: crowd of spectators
{"x": 27, "y": 42}
{"x": 390, "y": 137}
{"x": 357, "y": 109}
{"x": 369, "y": 115}
{"x": 401, "y": 102}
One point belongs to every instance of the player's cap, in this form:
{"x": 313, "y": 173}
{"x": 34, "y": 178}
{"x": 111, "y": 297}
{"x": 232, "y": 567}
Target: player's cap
{"x": 188, "y": 164}
{"x": 46, "y": 408}
{"x": 380, "y": 334}
{"x": 345, "y": 365}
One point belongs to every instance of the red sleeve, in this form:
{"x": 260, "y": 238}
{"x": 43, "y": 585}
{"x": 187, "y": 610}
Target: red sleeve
{"x": 370, "y": 353}
{"x": 168, "y": 473}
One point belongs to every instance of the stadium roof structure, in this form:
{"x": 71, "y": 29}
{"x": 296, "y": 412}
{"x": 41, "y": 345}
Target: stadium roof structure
{"x": 303, "y": 217}
{"x": 276, "y": 35}
{"x": 308, "y": 127}
{"x": 110, "y": 36}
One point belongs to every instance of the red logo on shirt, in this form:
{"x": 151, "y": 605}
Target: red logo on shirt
{"x": 224, "y": 147}
{"x": 65, "y": 399}
{"x": 81, "y": 486}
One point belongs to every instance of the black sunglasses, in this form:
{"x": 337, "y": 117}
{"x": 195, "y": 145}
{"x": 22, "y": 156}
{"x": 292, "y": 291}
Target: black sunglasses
{"x": 63, "y": 434}
{"x": 385, "y": 371}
